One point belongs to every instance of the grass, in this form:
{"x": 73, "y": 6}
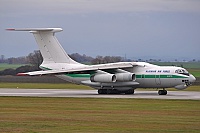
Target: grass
{"x": 26, "y": 114}
{"x": 4, "y": 66}
{"x": 186, "y": 65}
{"x": 195, "y": 72}
{"x": 43, "y": 86}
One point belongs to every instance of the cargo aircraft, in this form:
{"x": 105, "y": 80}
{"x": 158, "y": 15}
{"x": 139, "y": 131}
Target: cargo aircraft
{"x": 110, "y": 78}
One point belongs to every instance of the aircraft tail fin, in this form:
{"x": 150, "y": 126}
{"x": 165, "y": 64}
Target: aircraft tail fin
{"x": 50, "y": 48}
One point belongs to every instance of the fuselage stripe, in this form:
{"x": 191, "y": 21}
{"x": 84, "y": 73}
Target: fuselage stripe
{"x": 137, "y": 76}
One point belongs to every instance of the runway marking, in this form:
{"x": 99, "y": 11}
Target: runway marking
{"x": 93, "y": 94}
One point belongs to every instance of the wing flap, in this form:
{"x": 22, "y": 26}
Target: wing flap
{"x": 34, "y": 73}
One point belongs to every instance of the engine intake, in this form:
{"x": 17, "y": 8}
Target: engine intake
{"x": 105, "y": 78}
{"x": 125, "y": 76}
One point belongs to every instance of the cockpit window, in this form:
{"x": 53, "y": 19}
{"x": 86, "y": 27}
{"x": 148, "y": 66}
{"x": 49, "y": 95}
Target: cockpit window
{"x": 182, "y": 71}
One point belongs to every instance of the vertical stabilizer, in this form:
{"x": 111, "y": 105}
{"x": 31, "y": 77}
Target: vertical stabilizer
{"x": 50, "y": 48}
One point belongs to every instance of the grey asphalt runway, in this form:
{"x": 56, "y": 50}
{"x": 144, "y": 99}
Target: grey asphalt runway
{"x": 93, "y": 94}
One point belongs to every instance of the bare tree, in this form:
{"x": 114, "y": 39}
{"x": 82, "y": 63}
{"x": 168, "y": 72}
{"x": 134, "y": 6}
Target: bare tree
{"x": 107, "y": 59}
{"x": 81, "y": 58}
{"x": 35, "y": 58}
{"x": 98, "y": 60}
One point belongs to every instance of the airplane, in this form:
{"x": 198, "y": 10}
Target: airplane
{"x": 110, "y": 78}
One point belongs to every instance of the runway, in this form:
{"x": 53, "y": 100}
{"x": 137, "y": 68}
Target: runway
{"x": 93, "y": 94}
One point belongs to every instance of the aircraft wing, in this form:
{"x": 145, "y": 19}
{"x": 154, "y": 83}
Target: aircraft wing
{"x": 108, "y": 66}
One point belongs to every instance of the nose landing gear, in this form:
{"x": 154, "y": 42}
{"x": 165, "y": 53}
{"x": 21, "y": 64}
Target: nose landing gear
{"x": 162, "y": 92}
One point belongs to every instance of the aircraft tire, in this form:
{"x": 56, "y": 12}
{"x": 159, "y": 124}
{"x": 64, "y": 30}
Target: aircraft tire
{"x": 101, "y": 91}
{"x": 104, "y": 91}
{"x": 114, "y": 91}
{"x": 131, "y": 91}
{"x": 162, "y": 92}
{"x": 165, "y": 92}
{"x": 108, "y": 91}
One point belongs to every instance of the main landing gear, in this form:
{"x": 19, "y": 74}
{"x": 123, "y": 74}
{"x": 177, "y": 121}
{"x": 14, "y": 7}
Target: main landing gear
{"x": 114, "y": 91}
{"x": 162, "y": 92}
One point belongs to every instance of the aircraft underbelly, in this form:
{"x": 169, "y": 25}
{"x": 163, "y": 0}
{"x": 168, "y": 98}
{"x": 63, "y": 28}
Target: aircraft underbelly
{"x": 141, "y": 82}
{"x": 158, "y": 83}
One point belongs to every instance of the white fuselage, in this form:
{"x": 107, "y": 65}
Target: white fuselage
{"x": 147, "y": 75}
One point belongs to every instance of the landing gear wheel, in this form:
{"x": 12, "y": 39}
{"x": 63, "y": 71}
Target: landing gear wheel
{"x": 108, "y": 91}
{"x": 102, "y": 91}
{"x": 114, "y": 91}
{"x": 162, "y": 92}
{"x": 131, "y": 91}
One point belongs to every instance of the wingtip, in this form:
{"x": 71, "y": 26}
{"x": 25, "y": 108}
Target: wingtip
{"x": 21, "y": 74}
{"x": 10, "y": 29}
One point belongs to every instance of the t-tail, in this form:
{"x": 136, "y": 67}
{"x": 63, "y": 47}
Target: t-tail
{"x": 50, "y": 48}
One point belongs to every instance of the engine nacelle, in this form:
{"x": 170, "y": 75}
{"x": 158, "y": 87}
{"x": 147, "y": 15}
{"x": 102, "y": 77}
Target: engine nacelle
{"x": 125, "y": 76}
{"x": 104, "y": 78}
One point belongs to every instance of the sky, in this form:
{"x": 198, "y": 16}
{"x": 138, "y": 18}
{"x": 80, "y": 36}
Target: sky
{"x": 158, "y": 29}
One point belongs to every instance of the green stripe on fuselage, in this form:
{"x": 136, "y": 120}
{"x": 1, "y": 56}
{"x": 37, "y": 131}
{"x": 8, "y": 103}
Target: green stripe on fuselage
{"x": 159, "y": 76}
{"x": 45, "y": 68}
{"x": 137, "y": 76}
{"x": 79, "y": 75}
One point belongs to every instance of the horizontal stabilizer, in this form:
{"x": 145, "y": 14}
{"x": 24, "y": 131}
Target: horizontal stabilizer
{"x": 50, "y": 48}
{"x": 36, "y": 29}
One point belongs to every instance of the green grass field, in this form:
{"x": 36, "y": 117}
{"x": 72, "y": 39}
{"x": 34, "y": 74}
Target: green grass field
{"x": 26, "y": 114}
{"x": 4, "y": 66}
{"x": 186, "y": 65}
{"x": 195, "y": 72}
{"x": 43, "y": 86}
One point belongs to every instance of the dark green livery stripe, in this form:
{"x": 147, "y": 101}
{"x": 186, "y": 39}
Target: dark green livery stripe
{"x": 137, "y": 76}
{"x": 159, "y": 76}
{"x": 45, "y": 68}
{"x": 79, "y": 75}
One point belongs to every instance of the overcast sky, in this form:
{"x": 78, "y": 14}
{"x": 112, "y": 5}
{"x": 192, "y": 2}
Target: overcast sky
{"x": 165, "y": 29}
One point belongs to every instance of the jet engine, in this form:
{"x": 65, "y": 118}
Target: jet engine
{"x": 125, "y": 76}
{"x": 104, "y": 78}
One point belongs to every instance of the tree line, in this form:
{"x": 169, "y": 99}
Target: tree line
{"x": 33, "y": 60}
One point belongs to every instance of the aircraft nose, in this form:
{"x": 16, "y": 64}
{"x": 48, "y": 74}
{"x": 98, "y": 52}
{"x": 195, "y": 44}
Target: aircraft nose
{"x": 192, "y": 78}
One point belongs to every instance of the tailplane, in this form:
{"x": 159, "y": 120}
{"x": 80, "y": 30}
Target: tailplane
{"x": 50, "y": 48}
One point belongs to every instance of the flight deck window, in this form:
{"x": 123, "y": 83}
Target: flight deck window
{"x": 182, "y": 71}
